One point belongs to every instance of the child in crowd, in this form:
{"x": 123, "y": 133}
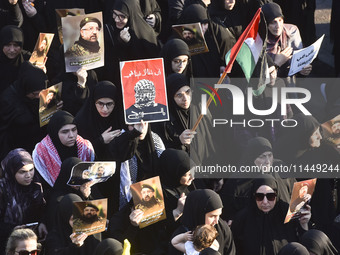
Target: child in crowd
{"x": 204, "y": 236}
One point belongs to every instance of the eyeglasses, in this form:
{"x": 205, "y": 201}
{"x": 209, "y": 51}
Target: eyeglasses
{"x": 91, "y": 29}
{"x": 269, "y": 196}
{"x": 181, "y": 94}
{"x": 24, "y": 252}
{"x": 108, "y": 105}
{"x": 179, "y": 61}
{"x": 121, "y": 17}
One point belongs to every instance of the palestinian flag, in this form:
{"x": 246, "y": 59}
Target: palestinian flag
{"x": 248, "y": 50}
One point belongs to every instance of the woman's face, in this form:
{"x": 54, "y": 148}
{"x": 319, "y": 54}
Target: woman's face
{"x": 315, "y": 139}
{"x": 211, "y": 218}
{"x": 275, "y": 27}
{"x": 68, "y": 135}
{"x": 186, "y": 179}
{"x": 265, "y": 205}
{"x": 24, "y": 176}
{"x": 264, "y": 161}
{"x": 179, "y": 63}
{"x": 120, "y": 19}
{"x": 11, "y": 50}
{"x": 105, "y": 106}
{"x": 229, "y": 4}
{"x": 183, "y": 97}
{"x": 26, "y": 245}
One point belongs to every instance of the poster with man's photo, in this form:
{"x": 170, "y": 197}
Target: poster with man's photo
{"x": 95, "y": 172}
{"x": 148, "y": 197}
{"x": 48, "y": 103}
{"x": 144, "y": 92}
{"x": 301, "y": 195}
{"x": 42, "y": 46}
{"x": 193, "y": 35}
{"x": 83, "y": 41}
{"x": 60, "y": 13}
{"x": 89, "y": 217}
{"x": 331, "y": 132}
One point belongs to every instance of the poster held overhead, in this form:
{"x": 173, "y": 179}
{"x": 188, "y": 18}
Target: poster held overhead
{"x": 193, "y": 36}
{"x": 83, "y": 41}
{"x": 144, "y": 92}
{"x": 48, "y": 103}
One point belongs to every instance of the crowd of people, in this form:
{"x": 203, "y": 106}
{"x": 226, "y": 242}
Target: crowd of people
{"x": 225, "y": 216}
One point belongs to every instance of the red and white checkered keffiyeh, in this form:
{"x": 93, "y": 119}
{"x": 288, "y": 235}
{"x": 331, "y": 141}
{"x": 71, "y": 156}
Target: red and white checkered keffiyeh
{"x": 47, "y": 161}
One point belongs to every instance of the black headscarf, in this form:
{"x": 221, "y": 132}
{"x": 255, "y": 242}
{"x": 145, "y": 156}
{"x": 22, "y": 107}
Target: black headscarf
{"x": 219, "y": 41}
{"x": 31, "y": 79}
{"x": 197, "y": 204}
{"x": 19, "y": 198}
{"x": 255, "y": 147}
{"x": 172, "y": 49}
{"x": 174, "y": 82}
{"x": 234, "y": 20}
{"x": 58, "y": 120}
{"x": 174, "y": 164}
{"x": 138, "y": 28}
{"x": 294, "y": 141}
{"x": 60, "y": 185}
{"x": 257, "y": 232}
{"x": 294, "y": 248}
{"x": 9, "y": 68}
{"x": 109, "y": 246}
{"x": 89, "y": 122}
{"x": 318, "y": 243}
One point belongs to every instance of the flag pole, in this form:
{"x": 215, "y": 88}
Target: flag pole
{"x": 233, "y": 55}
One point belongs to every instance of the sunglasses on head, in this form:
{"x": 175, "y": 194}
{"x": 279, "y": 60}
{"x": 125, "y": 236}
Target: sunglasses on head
{"x": 24, "y": 252}
{"x": 269, "y": 196}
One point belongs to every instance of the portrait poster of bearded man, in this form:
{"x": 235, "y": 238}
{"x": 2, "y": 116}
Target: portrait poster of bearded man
{"x": 83, "y": 39}
{"x": 89, "y": 216}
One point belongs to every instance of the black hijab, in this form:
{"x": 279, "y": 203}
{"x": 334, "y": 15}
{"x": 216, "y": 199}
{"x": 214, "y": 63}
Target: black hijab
{"x": 257, "y": 232}
{"x": 197, "y": 204}
{"x": 173, "y": 165}
{"x": 91, "y": 124}
{"x": 294, "y": 248}
{"x": 234, "y": 20}
{"x": 19, "y": 198}
{"x": 58, "y": 120}
{"x": 318, "y": 243}
{"x": 138, "y": 29}
{"x": 109, "y": 246}
{"x": 60, "y": 186}
{"x": 172, "y": 49}
{"x": 10, "y": 67}
{"x": 294, "y": 141}
{"x": 174, "y": 82}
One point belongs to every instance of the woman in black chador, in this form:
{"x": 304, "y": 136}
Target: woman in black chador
{"x": 98, "y": 120}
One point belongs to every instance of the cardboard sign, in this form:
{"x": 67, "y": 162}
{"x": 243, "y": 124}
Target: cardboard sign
{"x": 144, "y": 92}
{"x": 148, "y": 196}
{"x": 193, "y": 36}
{"x": 89, "y": 216}
{"x": 301, "y": 194}
{"x": 64, "y": 13}
{"x": 83, "y": 41}
{"x": 49, "y": 98}
{"x": 331, "y": 132}
{"x": 91, "y": 171}
{"x": 42, "y": 46}
{"x": 304, "y": 57}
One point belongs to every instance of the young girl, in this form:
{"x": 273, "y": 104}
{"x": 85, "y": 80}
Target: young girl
{"x": 204, "y": 236}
